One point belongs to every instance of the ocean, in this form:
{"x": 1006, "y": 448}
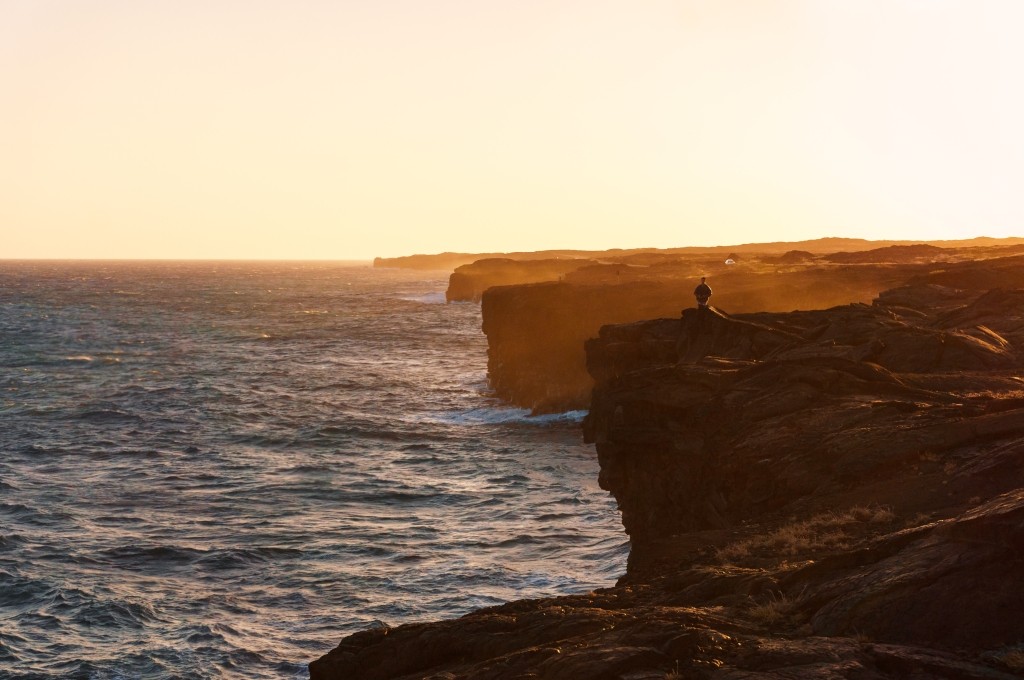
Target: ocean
{"x": 219, "y": 469}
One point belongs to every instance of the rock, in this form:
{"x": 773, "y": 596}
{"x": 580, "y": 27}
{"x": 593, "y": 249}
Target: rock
{"x": 953, "y": 584}
{"x": 898, "y": 253}
{"x": 790, "y": 257}
{"x": 469, "y": 281}
{"x": 535, "y": 335}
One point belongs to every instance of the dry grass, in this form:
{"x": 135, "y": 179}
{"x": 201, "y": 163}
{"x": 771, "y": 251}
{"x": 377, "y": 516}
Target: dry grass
{"x": 776, "y": 609}
{"x": 822, "y": 532}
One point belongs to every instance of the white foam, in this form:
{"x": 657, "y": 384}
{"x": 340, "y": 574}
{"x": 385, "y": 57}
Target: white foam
{"x": 435, "y": 298}
{"x": 507, "y": 414}
{"x": 564, "y": 417}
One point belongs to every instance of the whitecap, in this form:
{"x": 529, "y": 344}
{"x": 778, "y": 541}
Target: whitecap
{"x": 505, "y": 415}
{"x": 435, "y": 298}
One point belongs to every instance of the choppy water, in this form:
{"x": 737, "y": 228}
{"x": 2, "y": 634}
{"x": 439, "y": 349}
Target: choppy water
{"x": 219, "y": 469}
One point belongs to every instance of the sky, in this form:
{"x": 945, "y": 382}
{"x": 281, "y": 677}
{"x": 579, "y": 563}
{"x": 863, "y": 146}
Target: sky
{"x": 349, "y": 129}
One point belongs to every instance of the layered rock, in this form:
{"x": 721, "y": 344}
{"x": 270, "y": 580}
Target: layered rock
{"x": 735, "y": 386}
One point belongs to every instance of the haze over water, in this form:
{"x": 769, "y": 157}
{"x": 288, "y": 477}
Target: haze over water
{"x": 219, "y": 469}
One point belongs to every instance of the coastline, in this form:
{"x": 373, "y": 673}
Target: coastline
{"x": 807, "y": 493}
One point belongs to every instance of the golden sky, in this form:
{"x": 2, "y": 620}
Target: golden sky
{"x": 347, "y": 129}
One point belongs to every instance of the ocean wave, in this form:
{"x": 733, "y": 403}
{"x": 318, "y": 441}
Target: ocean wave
{"x": 11, "y": 541}
{"x": 20, "y": 511}
{"x": 512, "y": 478}
{"x": 107, "y": 415}
{"x": 241, "y": 558}
{"x": 108, "y": 613}
{"x": 164, "y": 555}
{"x": 555, "y": 516}
{"x": 503, "y": 415}
{"x": 522, "y": 539}
{"x": 434, "y": 298}
{"x": 610, "y": 551}
{"x": 17, "y": 590}
{"x": 35, "y": 450}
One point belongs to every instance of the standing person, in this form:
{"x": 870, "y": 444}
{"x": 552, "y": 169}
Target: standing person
{"x": 702, "y": 293}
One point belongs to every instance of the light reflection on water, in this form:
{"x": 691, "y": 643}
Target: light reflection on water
{"x": 219, "y": 469}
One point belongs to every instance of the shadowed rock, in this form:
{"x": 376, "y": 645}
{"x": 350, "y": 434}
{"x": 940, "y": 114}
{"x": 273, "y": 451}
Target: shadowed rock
{"x": 899, "y": 253}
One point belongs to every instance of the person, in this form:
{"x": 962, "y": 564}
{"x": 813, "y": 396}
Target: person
{"x": 702, "y": 293}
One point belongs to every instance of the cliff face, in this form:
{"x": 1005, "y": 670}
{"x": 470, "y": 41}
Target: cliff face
{"x": 757, "y": 419}
{"x": 826, "y": 494}
{"x": 838, "y": 397}
{"x": 536, "y": 333}
{"x": 468, "y": 282}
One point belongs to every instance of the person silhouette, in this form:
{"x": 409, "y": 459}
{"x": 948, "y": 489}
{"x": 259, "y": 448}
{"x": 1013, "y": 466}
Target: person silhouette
{"x": 702, "y": 293}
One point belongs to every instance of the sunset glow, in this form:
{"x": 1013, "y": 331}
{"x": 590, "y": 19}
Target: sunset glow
{"x": 351, "y": 129}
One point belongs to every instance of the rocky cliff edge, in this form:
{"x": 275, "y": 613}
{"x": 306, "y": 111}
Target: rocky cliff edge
{"x": 826, "y": 494}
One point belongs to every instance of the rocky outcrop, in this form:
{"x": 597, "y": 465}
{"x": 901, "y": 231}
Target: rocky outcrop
{"x": 733, "y": 385}
{"x": 791, "y": 257}
{"x": 912, "y": 253}
{"x": 468, "y": 282}
{"x": 997, "y": 272}
{"x": 828, "y": 494}
{"x": 440, "y": 261}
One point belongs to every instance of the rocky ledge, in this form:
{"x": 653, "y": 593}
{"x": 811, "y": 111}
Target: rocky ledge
{"x": 827, "y": 494}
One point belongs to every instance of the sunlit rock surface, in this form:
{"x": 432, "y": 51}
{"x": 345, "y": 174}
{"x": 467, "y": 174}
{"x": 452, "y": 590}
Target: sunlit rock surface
{"x": 469, "y": 281}
{"x": 826, "y": 494}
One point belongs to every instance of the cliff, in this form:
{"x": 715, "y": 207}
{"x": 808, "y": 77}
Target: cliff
{"x": 451, "y": 261}
{"x": 827, "y": 494}
{"x": 535, "y": 334}
{"x": 468, "y": 282}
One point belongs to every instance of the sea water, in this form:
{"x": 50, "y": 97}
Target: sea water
{"x": 218, "y": 470}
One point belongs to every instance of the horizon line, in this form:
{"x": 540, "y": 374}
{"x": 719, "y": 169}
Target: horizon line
{"x": 370, "y": 259}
